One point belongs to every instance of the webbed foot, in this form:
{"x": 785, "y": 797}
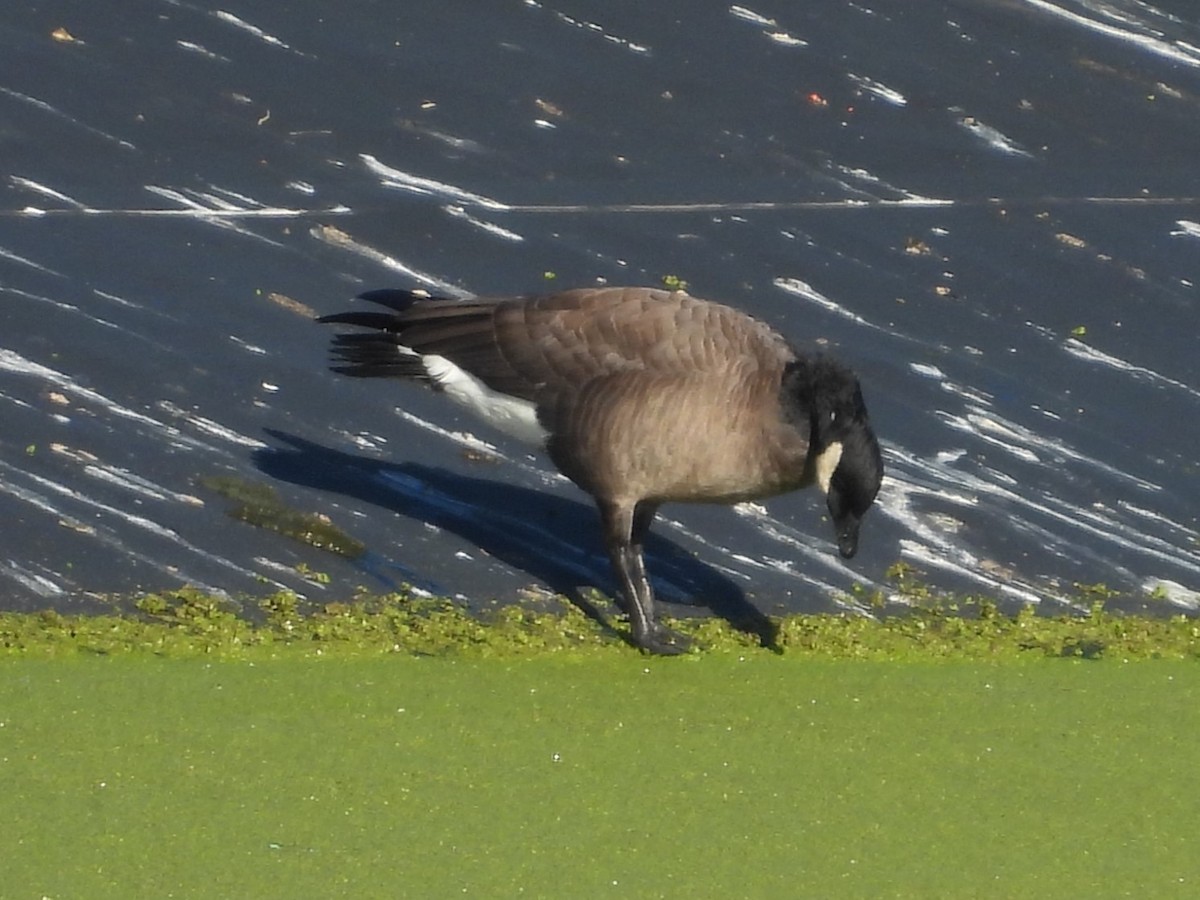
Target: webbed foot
{"x": 662, "y": 641}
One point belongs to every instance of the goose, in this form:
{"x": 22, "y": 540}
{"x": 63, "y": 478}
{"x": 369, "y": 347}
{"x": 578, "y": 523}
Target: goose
{"x": 640, "y": 396}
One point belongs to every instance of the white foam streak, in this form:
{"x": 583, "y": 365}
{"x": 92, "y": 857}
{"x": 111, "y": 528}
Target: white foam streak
{"x": 1172, "y": 592}
{"x": 230, "y": 19}
{"x": 337, "y": 238}
{"x": 31, "y": 185}
{"x": 31, "y": 581}
{"x": 910, "y": 477}
{"x": 749, "y": 15}
{"x": 816, "y": 552}
{"x": 136, "y": 484}
{"x": 593, "y": 28}
{"x": 992, "y": 137}
{"x": 462, "y": 438}
{"x": 459, "y": 213}
{"x": 217, "y": 212}
{"x": 880, "y": 90}
{"x": 926, "y": 557}
{"x": 13, "y": 362}
{"x": 210, "y": 427}
{"x": 931, "y": 545}
{"x": 104, "y": 533}
{"x": 1159, "y": 519}
{"x": 991, "y": 431}
{"x": 770, "y": 27}
{"x": 808, "y": 292}
{"x": 404, "y": 181}
{"x": 140, "y": 522}
{"x": 876, "y": 184}
{"x": 21, "y": 260}
{"x": 1187, "y": 228}
{"x": 1179, "y": 51}
{"x": 57, "y": 113}
{"x": 1080, "y": 350}
{"x": 1017, "y": 440}
{"x": 200, "y": 49}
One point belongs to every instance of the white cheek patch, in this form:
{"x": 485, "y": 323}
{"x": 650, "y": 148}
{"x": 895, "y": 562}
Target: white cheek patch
{"x": 511, "y": 415}
{"x": 827, "y": 463}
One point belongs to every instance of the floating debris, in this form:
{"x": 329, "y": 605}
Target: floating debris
{"x": 259, "y": 504}
{"x": 1070, "y": 240}
{"x": 293, "y": 306}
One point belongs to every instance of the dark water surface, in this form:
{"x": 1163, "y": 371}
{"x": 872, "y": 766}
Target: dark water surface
{"x": 988, "y": 208}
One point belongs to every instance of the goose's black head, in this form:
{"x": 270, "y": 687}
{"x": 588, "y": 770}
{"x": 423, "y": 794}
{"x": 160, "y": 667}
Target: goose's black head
{"x": 825, "y": 395}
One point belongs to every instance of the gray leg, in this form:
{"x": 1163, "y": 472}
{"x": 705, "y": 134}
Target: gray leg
{"x": 624, "y": 531}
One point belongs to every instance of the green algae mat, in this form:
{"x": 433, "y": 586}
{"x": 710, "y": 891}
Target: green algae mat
{"x": 192, "y": 746}
{"x": 596, "y": 774}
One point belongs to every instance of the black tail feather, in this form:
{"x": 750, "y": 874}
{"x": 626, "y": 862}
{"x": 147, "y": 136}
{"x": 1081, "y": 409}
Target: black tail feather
{"x": 381, "y": 351}
{"x": 393, "y": 298}
{"x": 381, "y": 320}
{"x": 375, "y": 354}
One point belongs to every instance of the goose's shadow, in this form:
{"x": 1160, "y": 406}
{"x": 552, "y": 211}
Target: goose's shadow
{"x": 554, "y": 539}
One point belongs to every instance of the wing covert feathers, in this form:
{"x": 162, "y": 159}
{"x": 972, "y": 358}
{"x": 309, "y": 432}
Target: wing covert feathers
{"x": 536, "y": 347}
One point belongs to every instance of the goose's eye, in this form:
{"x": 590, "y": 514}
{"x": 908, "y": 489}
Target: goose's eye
{"x": 832, "y": 416}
